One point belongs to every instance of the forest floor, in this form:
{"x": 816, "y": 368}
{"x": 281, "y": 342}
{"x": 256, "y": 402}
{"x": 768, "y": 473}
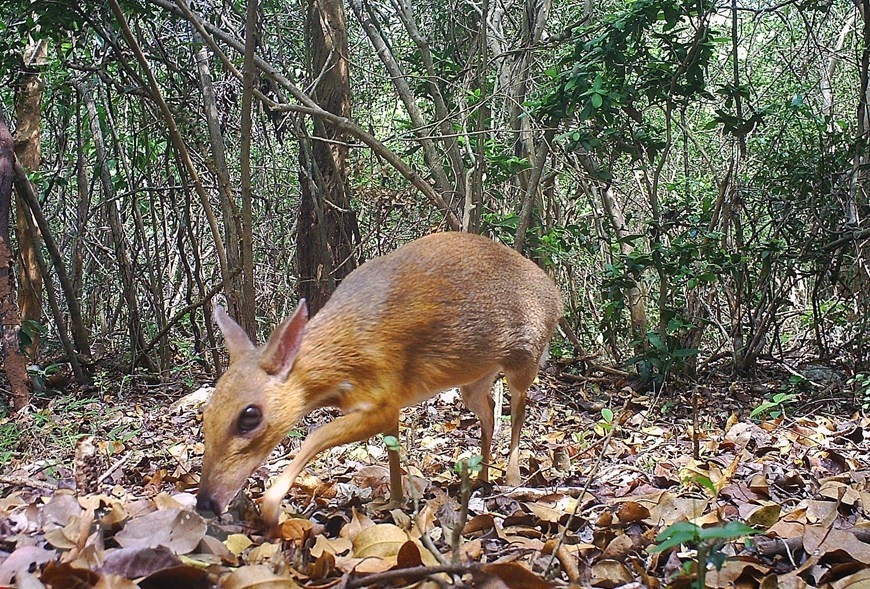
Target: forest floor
{"x": 600, "y": 491}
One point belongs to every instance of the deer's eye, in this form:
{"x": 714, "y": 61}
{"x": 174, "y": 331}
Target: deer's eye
{"x": 249, "y": 419}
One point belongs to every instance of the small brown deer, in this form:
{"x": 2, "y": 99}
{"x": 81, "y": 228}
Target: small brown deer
{"x": 447, "y": 310}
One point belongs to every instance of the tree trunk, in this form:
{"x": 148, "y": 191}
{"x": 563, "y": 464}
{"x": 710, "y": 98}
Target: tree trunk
{"x": 28, "y": 112}
{"x": 126, "y": 269}
{"x": 328, "y": 235}
{"x": 10, "y": 319}
{"x": 613, "y": 212}
{"x": 37, "y": 223}
{"x": 229, "y": 210}
{"x": 247, "y": 305}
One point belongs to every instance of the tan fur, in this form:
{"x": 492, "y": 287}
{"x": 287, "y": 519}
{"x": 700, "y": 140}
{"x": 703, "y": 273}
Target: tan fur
{"x": 447, "y": 310}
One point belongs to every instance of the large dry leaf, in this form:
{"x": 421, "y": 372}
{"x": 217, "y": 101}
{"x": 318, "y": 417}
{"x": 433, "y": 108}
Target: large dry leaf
{"x": 631, "y": 511}
{"x": 60, "y": 510}
{"x": 264, "y": 553}
{"x": 610, "y": 573}
{"x": 764, "y": 516}
{"x": 382, "y": 540}
{"x": 295, "y": 529}
{"x": 237, "y": 543}
{"x": 65, "y": 576}
{"x": 854, "y": 581}
{"x": 515, "y": 576}
{"x": 336, "y": 547}
{"x": 618, "y": 548}
{"x": 358, "y": 522}
{"x": 821, "y": 540}
{"x": 22, "y": 559}
{"x": 177, "y": 529}
{"x": 733, "y": 569}
{"x": 138, "y": 561}
{"x": 257, "y": 577}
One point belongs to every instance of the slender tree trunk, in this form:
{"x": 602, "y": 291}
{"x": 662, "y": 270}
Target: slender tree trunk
{"x": 14, "y": 361}
{"x": 38, "y": 224}
{"x": 122, "y": 251}
{"x": 613, "y": 212}
{"x": 474, "y": 191}
{"x": 28, "y": 111}
{"x": 400, "y": 81}
{"x": 532, "y": 189}
{"x": 229, "y": 209}
{"x": 83, "y": 208}
{"x": 537, "y": 13}
{"x": 247, "y": 306}
{"x": 328, "y": 235}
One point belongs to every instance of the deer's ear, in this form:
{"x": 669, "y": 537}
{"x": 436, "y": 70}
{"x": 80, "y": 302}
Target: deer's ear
{"x": 238, "y": 342}
{"x": 284, "y": 343}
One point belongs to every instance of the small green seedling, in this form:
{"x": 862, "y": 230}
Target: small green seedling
{"x": 392, "y": 443}
{"x": 775, "y": 406}
{"x": 605, "y": 424}
{"x": 707, "y": 541}
{"x": 472, "y": 464}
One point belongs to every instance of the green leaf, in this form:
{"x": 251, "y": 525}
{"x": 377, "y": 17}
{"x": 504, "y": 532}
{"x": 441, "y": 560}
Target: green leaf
{"x": 730, "y": 531}
{"x": 763, "y": 408}
{"x": 717, "y": 559}
{"x": 676, "y": 534}
{"x": 392, "y": 443}
{"x": 656, "y": 341}
{"x": 685, "y": 352}
{"x": 607, "y": 415}
{"x": 706, "y": 483}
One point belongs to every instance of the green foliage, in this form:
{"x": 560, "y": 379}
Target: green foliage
{"x": 661, "y": 356}
{"x": 775, "y": 406}
{"x": 860, "y": 383}
{"x": 502, "y": 163}
{"x": 392, "y": 443}
{"x": 21, "y": 21}
{"x": 10, "y": 436}
{"x": 693, "y": 259}
{"x": 40, "y": 375}
{"x": 692, "y": 535}
{"x": 707, "y": 541}
{"x": 706, "y": 483}
{"x": 29, "y": 332}
{"x": 649, "y": 53}
{"x": 604, "y": 425}
{"x": 471, "y": 465}
{"x": 726, "y": 116}
{"x": 67, "y": 417}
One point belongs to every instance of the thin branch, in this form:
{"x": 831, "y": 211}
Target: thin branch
{"x": 308, "y": 105}
{"x": 175, "y": 135}
{"x": 412, "y": 574}
{"x": 184, "y": 311}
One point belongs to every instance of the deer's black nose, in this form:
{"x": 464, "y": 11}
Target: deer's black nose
{"x": 205, "y": 504}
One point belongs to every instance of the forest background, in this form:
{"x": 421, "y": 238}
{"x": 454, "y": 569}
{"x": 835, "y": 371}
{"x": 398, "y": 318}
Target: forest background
{"x": 693, "y": 175}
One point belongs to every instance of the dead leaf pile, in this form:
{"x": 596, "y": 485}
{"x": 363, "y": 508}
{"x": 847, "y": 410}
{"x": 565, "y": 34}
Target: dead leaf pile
{"x": 801, "y": 482}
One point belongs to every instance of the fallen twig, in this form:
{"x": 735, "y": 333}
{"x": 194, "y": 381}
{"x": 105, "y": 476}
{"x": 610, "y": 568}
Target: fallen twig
{"x": 26, "y": 482}
{"x": 412, "y": 574}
